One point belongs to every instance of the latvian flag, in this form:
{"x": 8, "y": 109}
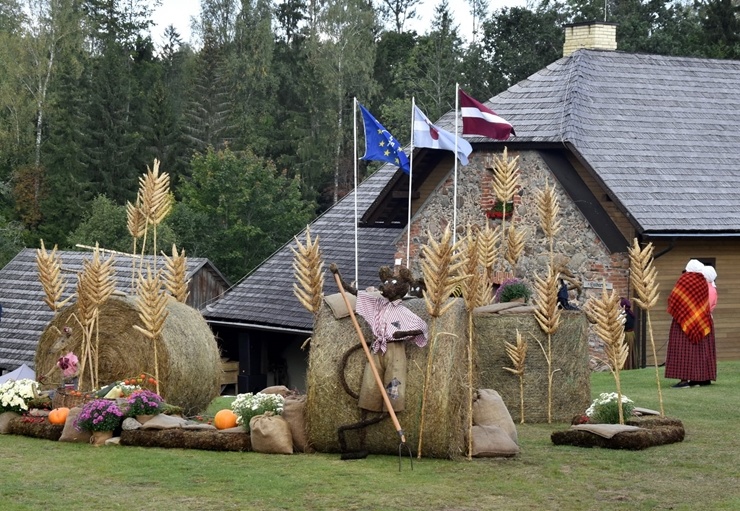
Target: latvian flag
{"x": 480, "y": 120}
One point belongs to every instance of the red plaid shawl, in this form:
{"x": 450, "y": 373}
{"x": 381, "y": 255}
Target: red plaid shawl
{"x": 689, "y": 306}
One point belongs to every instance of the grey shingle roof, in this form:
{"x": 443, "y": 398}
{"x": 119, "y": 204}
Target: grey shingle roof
{"x": 661, "y": 133}
{"x": 265, "y": 297}
{"x": 25, "y": 315}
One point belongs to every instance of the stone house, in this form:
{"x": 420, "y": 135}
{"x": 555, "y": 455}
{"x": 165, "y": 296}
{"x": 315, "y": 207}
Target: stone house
{"x": 637, "y": 146}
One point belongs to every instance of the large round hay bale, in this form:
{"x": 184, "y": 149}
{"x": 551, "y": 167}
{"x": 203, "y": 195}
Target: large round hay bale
{"x": 189, "y": 361}
{"x": 329, "y": 406}
{"x": 571, "y": 393}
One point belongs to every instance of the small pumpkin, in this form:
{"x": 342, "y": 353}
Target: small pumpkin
{"x": 224, "y": 419}
{"x": 58, "y": 416}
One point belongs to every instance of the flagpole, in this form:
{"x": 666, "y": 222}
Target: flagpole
{"x": 354, "y": 122}
{"x": 454, "y": 193}
{"x": 411, "y": 173}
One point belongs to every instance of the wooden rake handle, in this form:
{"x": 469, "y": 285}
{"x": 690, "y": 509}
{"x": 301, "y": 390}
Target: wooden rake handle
{"x": 370, "y": 361}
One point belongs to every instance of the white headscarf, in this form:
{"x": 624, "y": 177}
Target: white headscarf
{"x": 710, "y": 274}
{"x": 695, "y": 266}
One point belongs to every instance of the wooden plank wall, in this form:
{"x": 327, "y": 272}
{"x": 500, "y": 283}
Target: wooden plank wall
{"x": 726, "y": 252}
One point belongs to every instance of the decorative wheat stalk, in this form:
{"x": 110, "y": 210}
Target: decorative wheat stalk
{"x": 548, "y": 209}
{"x": 49, "y": 267}
{"x": 308, "y": 269}
{"x": 152, "y": 304}
{"x": 136, "y": 223}
{"x": 175, "y": 275}
{"x": 156, "y": 201}
{"x": 440, "y": 269}
{"x": 610, "y": 328}
{"x": 94, "y": 286}
{"x": 514, "y": 245}
{"x": 476, "y": 291}
{"x": 518, "y": 355}
{"x": 643, "y": 281}
{"x": 505, "y": 183}
{"x": 489, "y": 250}
{"x": 547, "y": 314}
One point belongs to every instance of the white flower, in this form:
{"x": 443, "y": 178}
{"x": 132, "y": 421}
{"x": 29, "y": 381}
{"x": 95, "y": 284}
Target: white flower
{"x": 15, "y": 394}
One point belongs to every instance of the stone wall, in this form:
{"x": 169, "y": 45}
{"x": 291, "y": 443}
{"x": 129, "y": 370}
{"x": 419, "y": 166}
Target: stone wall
{"x": 577, "y": 245}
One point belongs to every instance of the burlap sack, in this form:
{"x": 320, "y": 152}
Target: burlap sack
{"x": 489, "y": 410}
{"x": 294, "y": 414}
{"x": 70, "y": 433}
{"x": 276, "y": 389}
{"x": 270, "y": 434}
{"x": 163, "y": 421}
{"x": 492, "y": 442}
{"x": 5, "y": 419}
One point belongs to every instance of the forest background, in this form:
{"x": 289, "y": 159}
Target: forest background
{"x": 254, "y": 123}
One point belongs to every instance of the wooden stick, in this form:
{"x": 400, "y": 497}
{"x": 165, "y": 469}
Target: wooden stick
{"x": 370, "y": 361}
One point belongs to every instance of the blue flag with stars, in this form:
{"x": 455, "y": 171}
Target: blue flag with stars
{"x": 381, "y": 145}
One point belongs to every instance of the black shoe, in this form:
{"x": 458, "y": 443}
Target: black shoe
{"x": 702, "y": 383}
{"x": 681, "y": 385}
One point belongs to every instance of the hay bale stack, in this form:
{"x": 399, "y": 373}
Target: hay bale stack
{"x": 571, "y": 384}
{"x": 329, "y": 406}
{"x": 189, "y": 360}
{"x": 35, "y": 427}
{"x": 178, "y": 438}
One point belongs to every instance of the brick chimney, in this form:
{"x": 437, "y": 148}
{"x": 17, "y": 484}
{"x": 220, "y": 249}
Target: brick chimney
{"x": 592, "y": 35}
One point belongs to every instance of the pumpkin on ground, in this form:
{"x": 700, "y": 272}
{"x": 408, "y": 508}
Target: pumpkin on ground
{"x": 224, "y": 419}
{"x": 58, "y": 416}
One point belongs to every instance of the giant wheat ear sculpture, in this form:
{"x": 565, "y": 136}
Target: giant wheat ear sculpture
{"x": 548, "y": 209}
{"x": 505, "y": 184}
{"x": 175, "y": 275}
{"x": 518, "y": 356}
{"x": 152, "y": 304}
{"x": 643, "y": 280}
{"x": 610, "y": 328}
{"x": 547, "y": 314}
{"x": 49, "y": 267}
{"x": 156, "y": 201}
{"x": 440, "y": 266}
{"x": 476, "y": 291}
{"x": 136, "y": 224}
{"x": 308, "y": 269}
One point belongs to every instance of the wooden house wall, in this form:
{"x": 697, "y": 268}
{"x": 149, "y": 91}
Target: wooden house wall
{"x": 205, "y": 287}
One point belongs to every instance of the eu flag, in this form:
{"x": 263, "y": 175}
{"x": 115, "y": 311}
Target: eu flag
{"x": 381, "y": 145}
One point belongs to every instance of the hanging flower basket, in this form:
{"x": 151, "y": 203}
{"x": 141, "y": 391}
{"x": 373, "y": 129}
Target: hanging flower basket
{"x": 500, "y": 210}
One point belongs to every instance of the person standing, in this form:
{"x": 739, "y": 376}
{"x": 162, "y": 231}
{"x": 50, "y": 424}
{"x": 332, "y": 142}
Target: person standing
{"x": 629, "y": 334}
{"x": 691, "y": 355}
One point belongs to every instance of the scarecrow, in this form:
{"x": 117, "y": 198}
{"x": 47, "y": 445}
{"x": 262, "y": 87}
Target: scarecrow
{"x": 391, "y": 324}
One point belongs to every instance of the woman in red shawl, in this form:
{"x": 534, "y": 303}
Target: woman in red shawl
{"x": 691, "y": 355}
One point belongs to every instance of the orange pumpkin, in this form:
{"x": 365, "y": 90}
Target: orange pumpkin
{"x": 58, "y": 416}
{"x": 224, "y": 419}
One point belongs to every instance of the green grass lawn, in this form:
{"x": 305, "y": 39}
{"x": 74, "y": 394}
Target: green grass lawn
{"x": 701, "y": 473}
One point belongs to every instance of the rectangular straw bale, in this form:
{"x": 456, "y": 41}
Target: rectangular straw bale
{"x": 571, "y": 383}
{"x": 329, "y": 406}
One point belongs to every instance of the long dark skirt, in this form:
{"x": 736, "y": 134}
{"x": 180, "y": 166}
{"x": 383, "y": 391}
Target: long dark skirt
{"x": 688, "y": 361}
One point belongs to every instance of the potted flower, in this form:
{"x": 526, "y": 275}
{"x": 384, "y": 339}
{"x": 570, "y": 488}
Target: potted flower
{"x": 101, "y": 417}
{"x": 605, "y": 410}
{"x": 500, "y": 210}
{"x": 15, "y": 395}
{"x": 143, "y": 405}
{"x": 249, "y": 405}
{"x": 513, "y": 290}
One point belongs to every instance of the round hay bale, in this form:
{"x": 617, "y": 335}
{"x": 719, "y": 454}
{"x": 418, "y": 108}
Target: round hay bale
{"x": 571, "y": 393}
{"x": 329, "y": 406}
{"x": 189, "y": 359}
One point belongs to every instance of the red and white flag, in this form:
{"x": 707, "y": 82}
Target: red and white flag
{"x": 480, "y": 120}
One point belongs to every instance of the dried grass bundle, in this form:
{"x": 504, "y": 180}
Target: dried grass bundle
{"x": 547, "y": 314}
{"x": 643, "y": 278}
{"x": 518, "y": 355}
{"x": 514, "y": 244}
{"x": 548, "y": 209}
{"x": 610, "y": 328}
{"x": 308, "y": 269}
{"x": 175, "y": 275}
{"x": 152, "y": 305}
{"x": 50, "y": 274}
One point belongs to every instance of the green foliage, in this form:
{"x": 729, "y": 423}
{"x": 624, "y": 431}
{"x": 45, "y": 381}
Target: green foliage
{"x": 251, "y": 209}
{"x": 11, "y": 240}
{"x": 513, "y": 289}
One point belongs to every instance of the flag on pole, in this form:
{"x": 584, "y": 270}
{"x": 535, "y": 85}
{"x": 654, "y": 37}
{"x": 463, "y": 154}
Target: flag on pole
{"x": 478, "y": 119}
{"x": 380, "y": 144}
{"x": 427, "y": 134}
